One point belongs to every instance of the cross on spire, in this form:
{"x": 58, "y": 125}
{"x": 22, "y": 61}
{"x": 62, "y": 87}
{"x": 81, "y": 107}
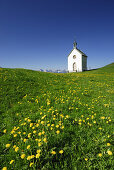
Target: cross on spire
{"x": 74, "y": 44}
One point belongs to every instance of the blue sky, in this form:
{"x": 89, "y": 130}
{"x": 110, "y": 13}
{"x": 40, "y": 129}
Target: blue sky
{"x": 37, "y": 34}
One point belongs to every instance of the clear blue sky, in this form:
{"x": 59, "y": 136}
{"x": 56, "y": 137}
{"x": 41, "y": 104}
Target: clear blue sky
{"x": 38, "y": 34}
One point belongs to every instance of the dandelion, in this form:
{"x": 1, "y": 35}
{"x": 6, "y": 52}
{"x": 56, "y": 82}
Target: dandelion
{"x": 15, "y": 135}
{"x": 34, "y": 131}
{"x": 29, "y": 157}
{"x": 100, "y": 154}
{"x": 61, "y": 151}
{"x": 108, "y": 144}
{"x": 39, "y": 144}
{"x": 8, "y": 145}
{"x": 31, "y": 164}
{"x": 37, "y": 155}
{"x": 25, "y": 140}
{"x": 40, "y": 133}
{"x": 11, "y": 161}
{"x": 4, "y": 130}
{"x": 4, "y": 168}
{"x": 38, "y": 151}
{"x": 28, "y": 146}
{"x": 45, "y": 140}
{"x": 16, "y": 149}
{"x": 86, "y": 159}
{"x": 102, "y": 117}
{"x": 53, "y": 152}
{"x": 109, "y": 152}
{"x": 57, "y": 131}
{"x": 22, "y": 156}
{"x": 14, "y": 146}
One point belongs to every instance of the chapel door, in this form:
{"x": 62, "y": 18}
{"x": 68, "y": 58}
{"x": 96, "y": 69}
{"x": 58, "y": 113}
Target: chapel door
{"x": 74, "y": 66}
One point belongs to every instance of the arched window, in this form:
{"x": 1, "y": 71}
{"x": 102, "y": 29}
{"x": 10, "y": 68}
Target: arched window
{"x": 74, "y": 56}
{"x": 74, "y": 66}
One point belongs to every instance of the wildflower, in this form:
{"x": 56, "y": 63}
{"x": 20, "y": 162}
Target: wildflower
{"x": 4, "y": 130}
{"x": 31, "y": 124}
{"x": 57, "y": 126}
{"x": 102, "y": 117}
{"x": 28, "y": 146}
{"x": 31, "y": 164}
{"x": 14, "y": 146}
{"x": 86, "y": 159}
{"x": 48, "y": 124}
{"x": 25, "y": 140}
{"x": 57, "y": 131}
{"x": 11, "y": 161}
{"x": 45, "y": 139}
{"x": 29, "y": 135}
{"x": 16, "y": 149}
{"x": 61, "y": 151}
{"x": 62, "y": 127}
{"x": 43, "y": 132}
{"x": 4, "y": 168}
{"x": 108, "y": 144}
{"x": 38, "y": 151}
{"x": 37, "y": 155}
{"x": 39, "y": 134}
{"x": 8, "y": 145}
{"x": 53, "y": 152}
{"x": 15, "y": 135}
{"x": 100, "y": 154}
{"x": 34, "y": 131}
{"x": 39, "y": 144}
{"x": 29, "y": 157}
{"x": 22, "y": 156}
{"x": 109, "y": 152}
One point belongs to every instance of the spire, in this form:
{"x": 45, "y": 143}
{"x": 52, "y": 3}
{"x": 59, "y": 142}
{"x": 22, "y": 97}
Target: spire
{"x": 74, "y": 44}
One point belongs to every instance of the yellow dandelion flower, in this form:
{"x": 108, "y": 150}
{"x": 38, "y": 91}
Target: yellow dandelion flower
{"x": 108, "y": 144}
{"x": 23, "y": 156}
{"x": 86, "y": 159}
{"x": 15, "y": 135}
{"x": 16, "y": 149}
{"x": 43, "y": 132}
{"x": 53, "y": 152}
{"x": 11, "y": 161}
{"x": 31, "y": 164}
{"x": 28, "y": 157}
{"x": 57, "y": 126}
{"x": 31, "y": 124}
{"x": 39, "y": 134}
{"x": 14, "y": 146}
{"x": 29, "y": 135}
{"x": 57, "y": 131}
{"x": 4, "y": 130}
{"x": 109, "y": 152}
{"x": 8, "y": 145}
{"x": 102, "y": 117}
{"x": 24, "y": 133}
{"x": 28, "y": 147}
{"x": 4, "y": 168}
{"x": 34, "y": 131}
{"x": 39, "y": 144}
{"x": 48, "y": 124}
{"x": 62, "y": 127}
{"x": 38, "y": 151}
{"x": 37, "y": 125}
{"x": 52, "y": 125}
{"x": 45, "y": 139}
{"x": 37, "y": 155}
{"x": 32, "y": 156}
{"x": 100, "y": 154}
{"x": 61, "y": 151}
{"x": 25, "y": 140}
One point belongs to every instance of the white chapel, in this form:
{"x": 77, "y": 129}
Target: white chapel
{"x": 77, "y": 60}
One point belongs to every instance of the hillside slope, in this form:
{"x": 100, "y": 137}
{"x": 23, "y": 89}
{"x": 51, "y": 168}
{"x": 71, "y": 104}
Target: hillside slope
{"x": 56, "y": 121}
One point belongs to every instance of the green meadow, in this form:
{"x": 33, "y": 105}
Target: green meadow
{"x": 54, "y": 121}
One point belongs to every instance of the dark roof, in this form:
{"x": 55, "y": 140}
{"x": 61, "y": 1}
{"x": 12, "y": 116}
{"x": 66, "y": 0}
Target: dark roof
{"x": 79, "y": 51}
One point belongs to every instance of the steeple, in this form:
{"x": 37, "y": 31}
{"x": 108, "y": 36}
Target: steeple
{"x": 74, "y": 44}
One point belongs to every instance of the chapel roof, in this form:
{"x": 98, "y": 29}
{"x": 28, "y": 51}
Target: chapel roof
{"x": 77, "y": 49}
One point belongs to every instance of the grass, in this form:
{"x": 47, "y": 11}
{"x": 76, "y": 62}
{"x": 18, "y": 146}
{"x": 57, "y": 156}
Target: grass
{"x": 57, "y": 121}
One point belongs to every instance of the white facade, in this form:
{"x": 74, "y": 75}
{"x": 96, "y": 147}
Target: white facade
{"x": 77, "y": 60}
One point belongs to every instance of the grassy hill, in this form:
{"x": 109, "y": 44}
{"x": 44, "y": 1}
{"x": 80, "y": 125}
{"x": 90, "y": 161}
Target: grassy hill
{"x": 56, "y": 121}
